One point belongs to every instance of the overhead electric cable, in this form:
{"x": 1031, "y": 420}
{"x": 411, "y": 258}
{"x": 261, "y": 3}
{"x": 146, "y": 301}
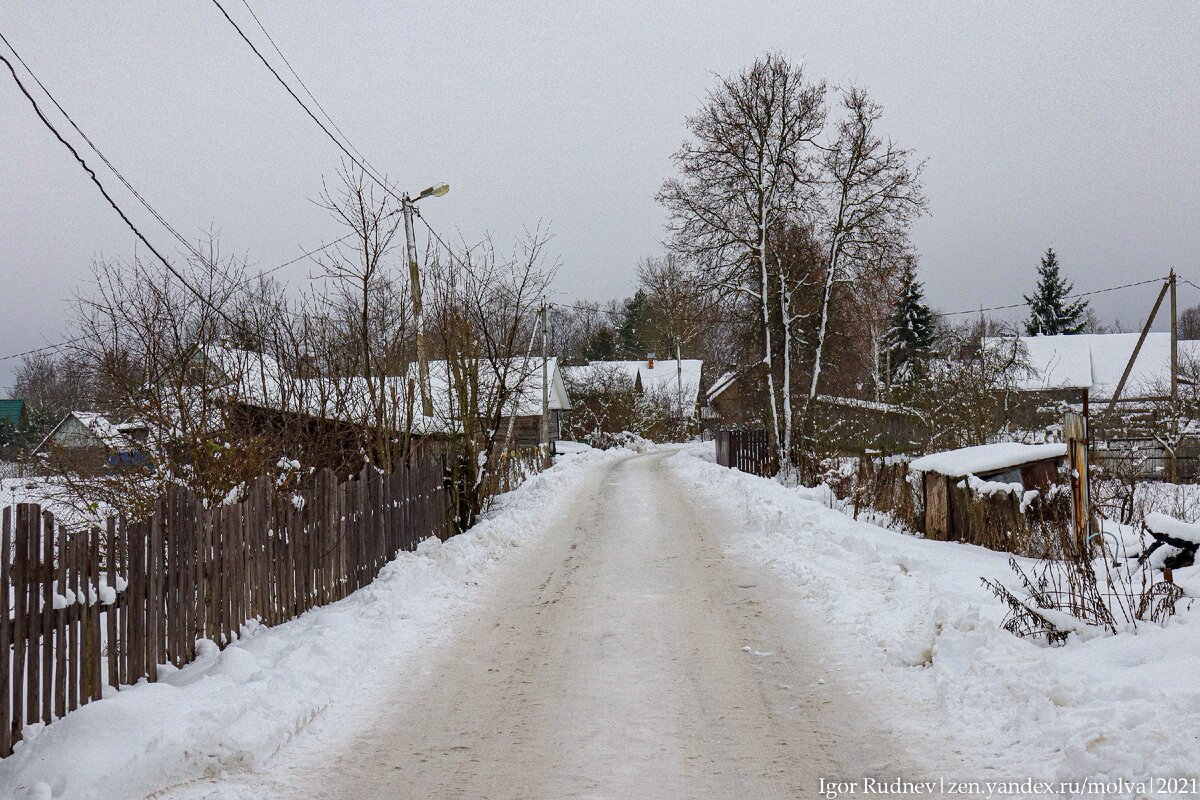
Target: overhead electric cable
{"x": 1066, "y": 297}
{"x": 96, "y": 180}
{"x": 303, "y": 85}
{"x": 360, "y": 163}
{"x": 97, "y": 151}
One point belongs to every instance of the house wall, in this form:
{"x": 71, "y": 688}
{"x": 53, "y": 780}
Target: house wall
{"x": 72, "y": 434}
{"x": 527, "y": 432}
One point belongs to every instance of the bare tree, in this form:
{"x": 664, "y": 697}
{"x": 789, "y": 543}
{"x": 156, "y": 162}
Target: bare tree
{"x": 871, "y": 197}
{"x": 746, "y": 170}
{"x": 483, "y": 319}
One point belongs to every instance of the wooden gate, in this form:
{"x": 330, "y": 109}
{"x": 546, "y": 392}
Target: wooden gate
{"x": 748, "y": 451}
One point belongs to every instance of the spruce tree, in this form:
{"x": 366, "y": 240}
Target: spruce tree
{"x": 1049, "y": 312}
{"x": 910, "y": 336}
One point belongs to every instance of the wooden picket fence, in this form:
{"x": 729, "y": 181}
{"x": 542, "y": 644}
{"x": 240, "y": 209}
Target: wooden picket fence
{"x": 746, "y": 450}
{"x": 99, "y": 606}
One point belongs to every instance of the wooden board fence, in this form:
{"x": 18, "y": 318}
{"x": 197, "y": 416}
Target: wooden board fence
{"x": 91, "y": 607}
{"x": 749, "y": 451}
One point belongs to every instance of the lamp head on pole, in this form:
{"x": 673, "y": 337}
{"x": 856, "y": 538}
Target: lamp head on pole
{"x": 437, "y": 190}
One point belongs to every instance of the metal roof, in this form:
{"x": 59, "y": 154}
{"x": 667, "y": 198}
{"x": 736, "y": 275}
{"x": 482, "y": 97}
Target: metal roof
{"x": 11, "y": 410}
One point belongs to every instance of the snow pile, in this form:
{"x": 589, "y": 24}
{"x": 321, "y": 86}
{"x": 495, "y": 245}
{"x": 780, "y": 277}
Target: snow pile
{"x": 1169, "y": 526}
{"x": 909, "y": 618}
{"x": 985, "y": 458}
{"x": 232, "y": 709}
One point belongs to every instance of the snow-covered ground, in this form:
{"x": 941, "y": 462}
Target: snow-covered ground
{"x": 734, "y": 624}
{"x": 912, "y": 618}
{"x": 232, "y": 709}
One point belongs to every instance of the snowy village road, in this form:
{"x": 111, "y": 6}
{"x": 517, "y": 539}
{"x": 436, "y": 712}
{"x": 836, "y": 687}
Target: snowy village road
{"x": 627, "y": 655}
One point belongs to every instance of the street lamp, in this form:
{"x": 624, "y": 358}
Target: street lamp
{"x": 409, "y": 207}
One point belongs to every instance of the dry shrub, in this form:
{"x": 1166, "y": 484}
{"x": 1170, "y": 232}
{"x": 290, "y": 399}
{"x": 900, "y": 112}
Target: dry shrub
{"x": 1066, "y": 594}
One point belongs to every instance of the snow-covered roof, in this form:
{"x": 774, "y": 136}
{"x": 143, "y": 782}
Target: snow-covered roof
{"x": 1095, "y": 361}
{"x": 666, "y": 377}
{"x": 257, "y": 379}
{"x": 98, "y": 426}
{"x": 985, "y": 458}
{"x": 722, "y": 383}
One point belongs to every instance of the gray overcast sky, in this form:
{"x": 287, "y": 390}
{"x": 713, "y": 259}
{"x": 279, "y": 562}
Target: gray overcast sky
{"x": 1071, "y": 125}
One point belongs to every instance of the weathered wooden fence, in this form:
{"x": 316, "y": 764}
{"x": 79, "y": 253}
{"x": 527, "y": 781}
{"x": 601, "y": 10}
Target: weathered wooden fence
{"x": 750, "y": 451}
{"x": 91, "y": 607}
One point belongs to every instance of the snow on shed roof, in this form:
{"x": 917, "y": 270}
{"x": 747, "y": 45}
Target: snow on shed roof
{"x": 1095, "y": 361}
{"x": 721, "y": 384}
{"x": 986, "y": 458}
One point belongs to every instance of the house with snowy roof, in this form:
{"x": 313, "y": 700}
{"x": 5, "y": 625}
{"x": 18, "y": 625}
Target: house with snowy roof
{"x": 86, "y": 441}
{"x": 259, "y": 391}
{"x": 675, "y": 381}
{"x": 1090, "y": 365}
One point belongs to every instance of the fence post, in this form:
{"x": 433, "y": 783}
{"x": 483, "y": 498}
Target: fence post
{"x": 1076, "y": 433}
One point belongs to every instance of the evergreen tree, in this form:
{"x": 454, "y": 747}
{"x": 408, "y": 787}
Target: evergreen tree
{"x": 910, "y": 337}
{"x": 1049, "y": 312}
{"x": 633, "y": 334}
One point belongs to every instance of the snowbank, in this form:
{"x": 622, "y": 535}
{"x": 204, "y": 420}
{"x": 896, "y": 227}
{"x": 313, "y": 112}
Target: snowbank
{"x": 1183, "y": 531}
{"x": 232, "y": 709}
{"x": 909, "y": 619}
{"x": 985, "y": 458}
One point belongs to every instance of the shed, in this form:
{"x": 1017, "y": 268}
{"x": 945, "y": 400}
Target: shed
{"x": 12, "y": 412}
{"x": 1011, "y": 464}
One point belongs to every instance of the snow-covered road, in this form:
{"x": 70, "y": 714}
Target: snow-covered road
{"x": 627, "y": 655}
{"x": 646, "y": 626}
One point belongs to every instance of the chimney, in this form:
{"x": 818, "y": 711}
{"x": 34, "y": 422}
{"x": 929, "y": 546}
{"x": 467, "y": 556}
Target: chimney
{"x": 650, "y": 361}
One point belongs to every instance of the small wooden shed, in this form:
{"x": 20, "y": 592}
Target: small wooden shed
{"x": 1031, "y": 466}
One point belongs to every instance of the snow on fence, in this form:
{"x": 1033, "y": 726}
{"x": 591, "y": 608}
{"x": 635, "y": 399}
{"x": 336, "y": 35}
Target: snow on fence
{"x": 88, "y": 607}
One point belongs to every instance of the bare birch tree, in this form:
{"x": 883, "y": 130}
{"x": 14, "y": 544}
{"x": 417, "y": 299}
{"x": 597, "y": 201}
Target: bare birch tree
{"x": 747, "y": 169}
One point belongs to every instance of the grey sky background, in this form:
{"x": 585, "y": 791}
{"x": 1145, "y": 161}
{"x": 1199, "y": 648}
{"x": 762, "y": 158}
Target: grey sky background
{"x": 1043, "y": 124}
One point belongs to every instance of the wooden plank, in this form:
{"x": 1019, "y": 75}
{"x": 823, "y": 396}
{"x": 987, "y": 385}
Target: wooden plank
{"x": 73, "y": 622}
{"x": 123, "y": 598}
{"x": 47, "y": 578}
{"x": 135, "y": 609}
{"x": 48, "y": 615}
{"x": 171, "y": 589}
{"x": 110, "y": 614}
{"x": 20, "y": 617}
{"x": 96, "y": 653}
{"x": 6, "y": 689}
{"x": 36, "y": 618}
{"x": 154, "y": 595}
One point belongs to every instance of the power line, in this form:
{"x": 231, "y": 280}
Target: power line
{"x": 356, "y": 161}
{"x": 97, "y": 151}
{"x": 1067, "y": 297}
{"x": 135, "y": 192}
{"x": 303, "y": 85}
{"x": 96, "y": 180}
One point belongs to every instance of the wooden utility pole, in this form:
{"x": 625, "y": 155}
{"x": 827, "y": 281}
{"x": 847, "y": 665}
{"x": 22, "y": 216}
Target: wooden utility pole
{"x": 1173, "y": 461}
{"x": 1174, "y": 338}
{"x": 545, "y": 383}
{"x": 414, "y": 280}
